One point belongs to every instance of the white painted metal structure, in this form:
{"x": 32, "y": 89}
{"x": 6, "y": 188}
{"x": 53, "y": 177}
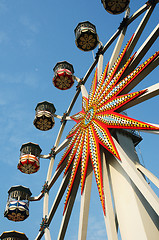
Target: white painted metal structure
{"x": 133, "y": 207}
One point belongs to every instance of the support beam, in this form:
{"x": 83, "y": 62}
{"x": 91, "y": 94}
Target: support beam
{"x": 62, "y": 145}
{"x": 67, "y": 213}
{"x": 46, "y": 199}
{"x": 85, "y": 201}
{"x": 39, "y": 236}
{"x": 136, "y": 218}
{"x": 142, "y": 50}
{"x": 55, "y": 204}
{"x": 51, "y": 183}
{"x": 118, "y": 45}
{"x": 110, "y": 216}
{"x": 100, "y": 66}
{"x": 137, "y": 13}
{"x": 148, "y": 174}
{"x": 117, "y": 49}
{"x": 59, "y": 195}
{"x": 137, "y": 35}
{"x": 49, "y": 173}
{"x": 47, "y": 234}
{"x": 142, "y": 75}
{"x": 137, "y": 178}
{"x": 57, "y": 174}
{"x": 111, "y": 40}
{"x": 150, "y": 93}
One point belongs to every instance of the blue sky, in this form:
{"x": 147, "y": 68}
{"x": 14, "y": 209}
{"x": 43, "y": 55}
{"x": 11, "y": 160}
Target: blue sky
{"x": 34, "y": 36}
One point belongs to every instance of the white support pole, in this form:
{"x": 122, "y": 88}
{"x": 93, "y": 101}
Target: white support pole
{"x": 46, "y": 199}
{"x": 150, "y": 93}
{"x": 100, "y": 66}
{"x": 142, "y": 75}
{"x": 84, "y": 91}
{"x": 136, "y": 36}
{"x": 117, "y": 48}
{"x": 62, "y": 145}
{"x": 128, "y": 215}
{"x": 51, "y": 183}
{"x": 137, "y": 13}
{"x": 110, "y": 216}
{"x": 67, "y": 213}
{"x": 49, "y": 173}
{"x": 82, "y": 87}
{"x": 143, "y": 50}
{"x": 137, "y": 178}
{"x": 148, "y": 174}
{"x": 118, "y": 45}
{"x": 57, "y": 200}
{"x": 136, "y": 217}
{"x": 85, "y": 201}
{"x": 47, "y": 234}
{"x": 59, "y": 195}
{"x": 56, "y": 174}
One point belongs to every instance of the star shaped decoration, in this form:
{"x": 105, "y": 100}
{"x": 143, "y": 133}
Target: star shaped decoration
{"x": 99, "y": 115}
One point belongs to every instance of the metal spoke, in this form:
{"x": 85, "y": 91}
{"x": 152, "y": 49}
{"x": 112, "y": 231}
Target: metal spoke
{"x": 151, "y": 92}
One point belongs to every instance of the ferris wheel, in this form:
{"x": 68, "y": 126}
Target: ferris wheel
{"x": 102, "y": 141}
